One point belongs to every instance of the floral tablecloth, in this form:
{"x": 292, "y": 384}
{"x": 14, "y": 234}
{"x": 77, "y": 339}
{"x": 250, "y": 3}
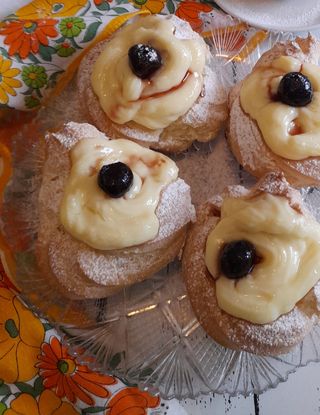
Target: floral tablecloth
{"x": 43, "y": 42}
{"x": 41, "y": 45}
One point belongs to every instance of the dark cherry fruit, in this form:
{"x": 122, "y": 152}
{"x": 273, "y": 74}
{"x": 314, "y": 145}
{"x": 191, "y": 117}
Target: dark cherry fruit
{"x": 115, "y": 179}
{"x": 144, "y": 60}
{"x": 237, "y": 259}
{"x": 295, "y": 89}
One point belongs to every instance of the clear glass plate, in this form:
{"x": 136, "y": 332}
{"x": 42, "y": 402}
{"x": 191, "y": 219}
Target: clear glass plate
{"x": 147, "y": 334}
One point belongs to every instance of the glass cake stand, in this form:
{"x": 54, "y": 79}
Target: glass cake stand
{"x": 148, "y": 334}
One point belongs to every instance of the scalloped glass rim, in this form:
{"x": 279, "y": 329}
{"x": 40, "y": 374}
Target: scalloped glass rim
{"x": 147, "y": 334}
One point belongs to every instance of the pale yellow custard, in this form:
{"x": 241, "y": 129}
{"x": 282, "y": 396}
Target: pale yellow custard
{"x": 172, "y": 89}
{"x": 106, "y": 223}
{"x": 288, "y": 245}
{"x": 290, "y": 132}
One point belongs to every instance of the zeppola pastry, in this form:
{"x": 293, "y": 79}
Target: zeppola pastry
{"x": 152, "y": 83}
{"x": 251, "y": 266}
{"x": 111, "y": 213}
{"x": 274, "y": 120}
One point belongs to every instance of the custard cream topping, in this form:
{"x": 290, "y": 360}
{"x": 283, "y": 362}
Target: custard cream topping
{"x": 292, "y": 133}
{"x": 171, "y": 91}
{"x": 288, "y": 244}
{"x": 105, "y": 223}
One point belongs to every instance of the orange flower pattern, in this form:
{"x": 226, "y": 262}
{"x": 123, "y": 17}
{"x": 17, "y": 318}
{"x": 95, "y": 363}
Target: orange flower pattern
{"x": 46, "y": 374}
{"x": 153, "y": 6}
{"x": 25, "y": 36}
{"x": 189, "y": 11}
{"x": 8, "y": 81}
{"x": 61, "y": 371}
{"x": 39, "y": 9}
{"x": 131, "y": 401}
{"x": 45, "y": 40}
{"x": 48, "y": 404}
{"x": 21, "y": 334}
{"x": 44, "y": 380}
{"x": 100, "y": 3}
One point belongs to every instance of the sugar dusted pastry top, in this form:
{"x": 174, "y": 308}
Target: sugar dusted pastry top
{"x": 174, "y": 209}
{"x": 105, "y": 222}
{"x": 80, "y": 268}
{"x": 245, "y": 137}
{"x": 286, "y": 265}
{"x": 292, "y": 132}
{"x": 160, "y": 99}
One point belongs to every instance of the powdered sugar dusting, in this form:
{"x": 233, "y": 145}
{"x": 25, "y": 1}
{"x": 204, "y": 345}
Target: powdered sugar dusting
{"x": 272, "y": 338}
{"x": 244, "y": 134}
{"x": 73, "y": 262}
{"x": 182, "y": 30}
{"x": 201, "y": 122}
{"x": 73, "y": 132}
{"x": 282, "y": 332}
{"x": 175, "y": 209}
{"x": 250, "y": 145}
{"x": 213, "y": 99}
{"x": 63, "y": 259}
{"x": 316, "y": 290}
{"x": 251, "y": 150}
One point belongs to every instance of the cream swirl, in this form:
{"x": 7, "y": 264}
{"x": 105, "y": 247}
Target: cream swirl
{"x": 288, "y": 244}
{"x": 100, "y": 221}
{"x": 290, "y": 132}
{"x": 171, "y": 91}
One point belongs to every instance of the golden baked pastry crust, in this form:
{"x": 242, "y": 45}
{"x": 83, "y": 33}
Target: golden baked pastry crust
{"x": 244, "y": 136}
{"x": 267, "y": 339}
{"x": 81, "y": 271}
{"x": 202, "y": 122}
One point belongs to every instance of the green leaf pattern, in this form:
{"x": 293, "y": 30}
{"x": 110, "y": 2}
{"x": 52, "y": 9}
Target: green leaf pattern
{"x": 91, "y": 31}
{"x": 34, "y": 388}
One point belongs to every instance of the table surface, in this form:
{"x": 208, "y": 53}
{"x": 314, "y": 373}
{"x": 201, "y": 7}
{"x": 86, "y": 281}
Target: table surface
{"x": 299, "y": 395}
